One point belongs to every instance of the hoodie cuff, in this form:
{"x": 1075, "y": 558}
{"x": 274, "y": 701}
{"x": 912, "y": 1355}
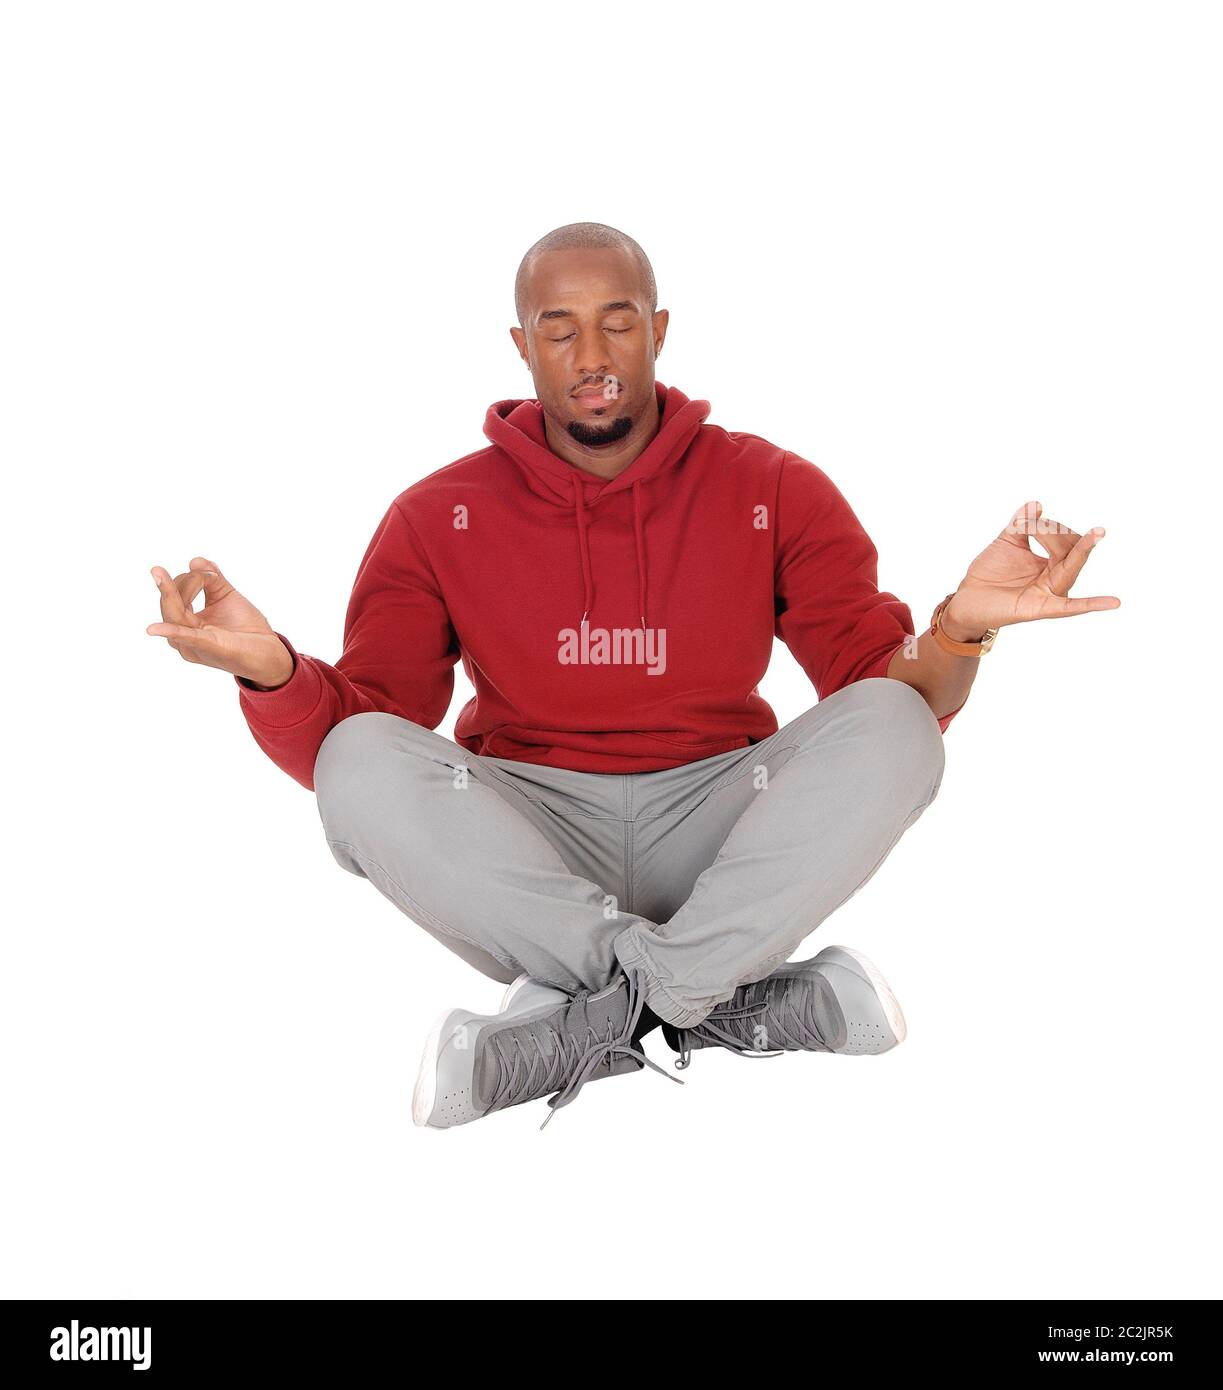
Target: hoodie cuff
{"x": 880, "y": 668}
{"x": 945, "y": 719}
{"x": 289, "y": 703}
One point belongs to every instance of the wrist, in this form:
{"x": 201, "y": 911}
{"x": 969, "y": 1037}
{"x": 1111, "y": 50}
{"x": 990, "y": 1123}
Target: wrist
{"x": 274, "y": 679}
{"x": 956, "y": 629}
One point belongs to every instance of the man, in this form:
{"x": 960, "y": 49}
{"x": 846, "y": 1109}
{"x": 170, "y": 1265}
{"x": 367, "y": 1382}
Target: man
{"x": 620, "y": 831}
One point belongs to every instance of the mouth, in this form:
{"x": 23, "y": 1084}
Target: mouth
{"x": 596, "y": 397}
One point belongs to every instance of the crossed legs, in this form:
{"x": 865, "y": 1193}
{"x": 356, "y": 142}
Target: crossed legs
{"x": 697, "y": 879}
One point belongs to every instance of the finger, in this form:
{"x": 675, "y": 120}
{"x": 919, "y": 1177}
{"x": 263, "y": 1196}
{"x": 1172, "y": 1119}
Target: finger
{"x": 1017, "y": 529}
{"x": 189, "y": 585}
{"x": 1065, "y": 570}
{"x": 1072, "y": 607}
{"x": 1056, "y": 537}
{"x": 173, "y": 610}
{"x": 197, "y": 638}
{"x": 214, "y": 583}
{"x": 201, "y": 575}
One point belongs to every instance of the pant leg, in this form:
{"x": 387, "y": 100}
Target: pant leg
{"x": 478, "y": 861}
{"x": 785, "y": 846}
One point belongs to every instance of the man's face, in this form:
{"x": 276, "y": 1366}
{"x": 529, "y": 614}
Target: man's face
{"x": 590, "y": 341}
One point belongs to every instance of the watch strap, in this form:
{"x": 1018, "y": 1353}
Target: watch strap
{"x": 953, "y": 647}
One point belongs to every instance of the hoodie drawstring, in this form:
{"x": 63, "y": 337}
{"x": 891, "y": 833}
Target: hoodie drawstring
{"x": 639, "y": 542}
{"x": 579, "y": 516}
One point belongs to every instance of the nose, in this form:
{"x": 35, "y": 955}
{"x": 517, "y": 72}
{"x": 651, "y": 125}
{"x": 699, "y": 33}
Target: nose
{"x": 590, "y": 357}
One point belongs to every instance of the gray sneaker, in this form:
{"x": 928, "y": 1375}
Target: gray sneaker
{"x": 838, "y": 1002}
{"x": 542, "y": 1042}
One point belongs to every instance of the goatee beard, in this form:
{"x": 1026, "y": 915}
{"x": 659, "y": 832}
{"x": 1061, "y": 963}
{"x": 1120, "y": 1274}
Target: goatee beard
{"x": 592, "y": 436}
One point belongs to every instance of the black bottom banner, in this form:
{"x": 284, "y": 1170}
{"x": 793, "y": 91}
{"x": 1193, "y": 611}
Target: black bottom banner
{"x": 183, "y": 1341}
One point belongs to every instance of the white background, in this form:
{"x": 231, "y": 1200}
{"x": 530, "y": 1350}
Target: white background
{"x": 257, "y": 278}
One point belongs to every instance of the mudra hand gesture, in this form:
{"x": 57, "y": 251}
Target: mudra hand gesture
{"x": 1009, "y": 582}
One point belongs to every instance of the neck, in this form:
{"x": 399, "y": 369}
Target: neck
{"x": 605, "y": 461}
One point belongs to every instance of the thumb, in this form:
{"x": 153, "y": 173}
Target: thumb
{"x": 211, "y": 580}
{"x": 1023, "y": 518}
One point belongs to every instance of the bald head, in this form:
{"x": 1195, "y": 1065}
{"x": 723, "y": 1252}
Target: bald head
{"x": 589, "y": 332}
{"x": 584, "y": 236}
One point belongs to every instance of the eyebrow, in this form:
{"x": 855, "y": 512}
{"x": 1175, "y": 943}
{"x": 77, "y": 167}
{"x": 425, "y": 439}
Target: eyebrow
{"x": 568, "y": 313}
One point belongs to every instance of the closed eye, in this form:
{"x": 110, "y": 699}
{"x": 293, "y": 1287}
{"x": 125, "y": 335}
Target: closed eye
{"x": 567, "y": 336}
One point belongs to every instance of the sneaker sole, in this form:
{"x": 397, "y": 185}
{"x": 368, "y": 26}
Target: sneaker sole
{"x": 424, "y": 1093}
{"x": 891, "y": 1005}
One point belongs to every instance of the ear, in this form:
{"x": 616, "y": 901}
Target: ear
{"x": 520, "y": 342}
{"x": 661, "y": 319}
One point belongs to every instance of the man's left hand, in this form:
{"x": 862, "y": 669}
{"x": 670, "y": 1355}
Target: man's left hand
{"x": 1009, "y": 582}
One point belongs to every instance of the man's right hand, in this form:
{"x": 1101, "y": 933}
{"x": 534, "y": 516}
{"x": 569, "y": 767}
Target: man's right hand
{"x": 229, "y": 632}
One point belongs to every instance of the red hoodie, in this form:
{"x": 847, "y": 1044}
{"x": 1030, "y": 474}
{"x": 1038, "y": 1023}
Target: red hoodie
{"x": 619, "y": 626}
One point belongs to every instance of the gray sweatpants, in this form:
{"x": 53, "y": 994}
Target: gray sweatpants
{"x": 699, "y": 878}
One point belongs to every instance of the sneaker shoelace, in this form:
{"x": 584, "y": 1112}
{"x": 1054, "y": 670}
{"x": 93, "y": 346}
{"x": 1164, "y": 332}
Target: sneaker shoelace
{"x": 552, "y": 1057}
{"x": 792, "y": 1025}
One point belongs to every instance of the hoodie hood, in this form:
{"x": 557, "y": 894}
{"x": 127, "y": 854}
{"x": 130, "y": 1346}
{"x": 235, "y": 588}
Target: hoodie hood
{"x": 517, "y": 428}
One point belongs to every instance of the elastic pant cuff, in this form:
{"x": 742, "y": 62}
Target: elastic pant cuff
{"x": 672, "y": 1008}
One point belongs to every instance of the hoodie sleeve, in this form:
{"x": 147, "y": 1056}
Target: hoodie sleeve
{"x": 830, "y": 610}
{"x": 399, "y": 655}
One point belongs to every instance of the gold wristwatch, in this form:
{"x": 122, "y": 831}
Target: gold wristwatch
{"x": 959, "y": 648}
